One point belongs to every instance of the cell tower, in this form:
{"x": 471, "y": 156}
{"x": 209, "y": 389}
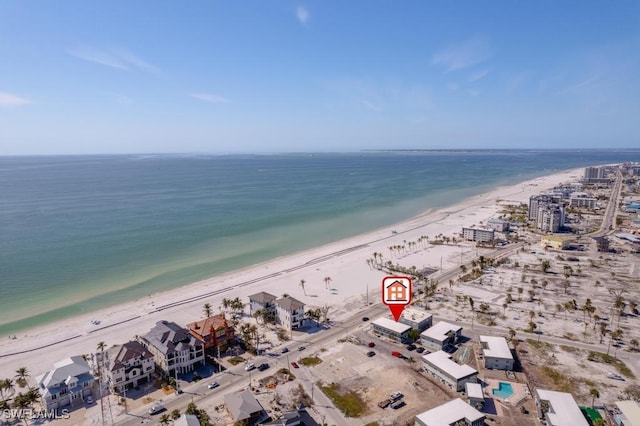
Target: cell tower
{"x": 102, "y": 363}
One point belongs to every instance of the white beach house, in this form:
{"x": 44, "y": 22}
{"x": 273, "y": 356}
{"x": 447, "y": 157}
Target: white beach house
{"x": 440, "y": 365}
{"x": 455, "y": 412}
{"x": 391, "y": 329}
{"x": 441, "y": 336}
{"x": 129, "y": 365}
{"x": 496, "y": 353}
{"x": 69, "y": 383}
{"x": 558, "y": 408}
{"x": 290, "y": 312}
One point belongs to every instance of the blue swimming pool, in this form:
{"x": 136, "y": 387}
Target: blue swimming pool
{"x": 504, "y": 391}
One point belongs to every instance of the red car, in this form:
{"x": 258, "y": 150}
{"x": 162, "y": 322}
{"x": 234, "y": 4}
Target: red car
{"x": 371, "y": 344}
{"x": 397, "y": 354}
{"x": 294, "y": 364}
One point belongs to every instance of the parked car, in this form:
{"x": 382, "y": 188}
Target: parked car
{"x": 411, "y": 347}
{"x": 397, "y": 354}
{"x": 396, "y": 395}
{"x": 301, "y": 348}
{"x": 294, "y": 364}
{"x": 263, "y": 366}
{"x": 156, "y": 409}
{"x": 365, "y": 318}
{"x": 89, "y": 400}
{"x": 370, "y": 354}
{"x": 213, "y": 385}
{"x": 285, "y": 350}
{"x": 419, "y": 349}
{"x": 397, "y": 404}
{"x": 385, "y": 403}
{"x": 371, "y": 344}
{"x": 250, "y": 366}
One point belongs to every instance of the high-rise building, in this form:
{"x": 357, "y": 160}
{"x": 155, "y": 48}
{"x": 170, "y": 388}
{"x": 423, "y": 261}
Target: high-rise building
{"x": 593, "y": 173}
{"x": 547, "y": 211}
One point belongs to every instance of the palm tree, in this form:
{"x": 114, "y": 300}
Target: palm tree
{"x": 207, "y": 310}
{"x": 32, "y": 396}
{"x": 302, "y": 282}
{"x": 165, "y": 419}
{"x": 175, "y": 414}
{"x": 473, "y": 311}
{"x": 634, "y": 344}
{"x": 7, "y": 390}
{"x": 594, "y": 395}
{"x": 327, "y": 282}
{"x": 21, "y": 376}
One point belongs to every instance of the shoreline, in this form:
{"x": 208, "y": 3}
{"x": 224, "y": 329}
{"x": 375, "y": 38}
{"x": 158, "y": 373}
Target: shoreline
{"x": 345, "y": 257}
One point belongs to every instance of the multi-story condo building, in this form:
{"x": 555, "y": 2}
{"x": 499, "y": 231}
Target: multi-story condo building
{"x": 479, "y": 235}
{"x": 441, "y": 336}
{"x": 550, "y": 218}
{"x": 393, "y": 330}
{"x": 586, "y": 202}
{"x": 215, "y": 333}
{"x": 416, "y": 318}
{"x": 591, "y": 173}
{"x": 128, "y": 366}
{"x": 558, "y": 409}
{"x": 496, "y": 353}
{"x": 69, "y": 383}
{"x": 440, "y": 365}
{"x": 175, "y": 350}
{"x": 289, "y": 312}
{"x": 455, "y": 412}
{"x": 537, "y": 201}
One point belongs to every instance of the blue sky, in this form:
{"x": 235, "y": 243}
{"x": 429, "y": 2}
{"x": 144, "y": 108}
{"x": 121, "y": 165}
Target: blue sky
{"x": 263, "y": 76}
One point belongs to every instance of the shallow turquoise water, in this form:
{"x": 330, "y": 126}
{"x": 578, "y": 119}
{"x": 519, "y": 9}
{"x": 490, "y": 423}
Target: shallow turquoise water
{"x": 83, "y": 232}
{"x": 504, "y": 391}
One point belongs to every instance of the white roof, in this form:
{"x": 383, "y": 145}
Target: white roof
{"x": 391, "y": 325}
{"x": 449, "y": 413}
{"x": 630, "y": 410}
{"x": 496, "y": 347}
{"x": 474, "y": 390}
{"x": 439, "y": 331}
{"x": 442, "y": 361}
{"x": 563, "y": 410}
{"x": 415, "y": 314}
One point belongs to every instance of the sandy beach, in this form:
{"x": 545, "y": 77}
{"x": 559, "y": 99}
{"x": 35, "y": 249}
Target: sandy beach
{"x": 344, "y": 261}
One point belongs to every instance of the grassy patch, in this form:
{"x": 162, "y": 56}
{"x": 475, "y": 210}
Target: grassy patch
{"x": 349, "y": 402}
{"x": 608, "y": 359}
{"x": 236, "y": 360}
{"x": 310, "y": 361}
{"x": 540, "y": 345}
{"x": 570, "y": 349}
{"x": 561, "y": 382}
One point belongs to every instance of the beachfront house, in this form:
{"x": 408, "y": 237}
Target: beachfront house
{"x": 442, "y": 336}
{"x": 244, "y": 408}
{"x": 215, "y": 333}
{"x": 440, "y": 365}
{"x": 416, "y": 318}
{"x": 496, "y": 353}
{"x": 129, "y": 365}
{"x": 455, "y": 412}
{"x": 69, "y": 383}
{"x": 393, "y": 330}
{"x": 175, "y": 350}
{"x": 299, "y": 417}
{"x": 289, "y": 312}
{"x": 558, "y": 408}
{"x": 260, "y": 301}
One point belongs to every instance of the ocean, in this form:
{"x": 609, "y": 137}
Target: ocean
{"x": 78, "y": 233}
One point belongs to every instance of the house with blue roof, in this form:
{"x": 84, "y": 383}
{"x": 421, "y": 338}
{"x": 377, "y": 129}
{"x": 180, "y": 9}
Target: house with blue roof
{"x": 69, "y": 383}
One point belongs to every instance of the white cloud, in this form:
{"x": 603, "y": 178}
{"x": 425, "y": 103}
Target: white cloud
{"x": 478, "y": 75}
{"x": 113, "y": 57}
{"x": 302, "y": 14}
{"x": 9, "y": 100}
{"x": 463, "y": 55}
{"x": 210, "y": 97}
